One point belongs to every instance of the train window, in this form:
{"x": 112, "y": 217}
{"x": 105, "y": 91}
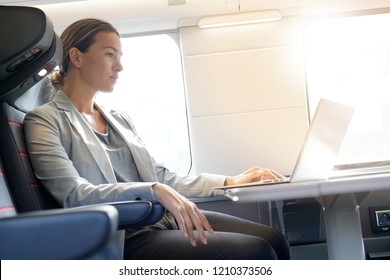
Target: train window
{"x": 150, "y": 89}
{"x": 348, "y": 60}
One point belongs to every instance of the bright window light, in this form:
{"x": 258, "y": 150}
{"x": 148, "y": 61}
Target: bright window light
{"x": 150, "y": 89}
{"x": 348, "y": 60}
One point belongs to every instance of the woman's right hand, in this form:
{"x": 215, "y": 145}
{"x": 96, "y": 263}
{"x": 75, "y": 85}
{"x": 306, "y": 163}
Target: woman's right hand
{"x": 254, "y": 174}
{"x": 186, "y": 213}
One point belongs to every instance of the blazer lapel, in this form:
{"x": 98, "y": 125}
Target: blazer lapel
{"x": 141, "y": 155}
{"x": 86, "y": 133}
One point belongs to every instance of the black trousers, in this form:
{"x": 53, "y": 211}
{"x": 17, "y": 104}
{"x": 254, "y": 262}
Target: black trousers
{"x": 233, "y": 238}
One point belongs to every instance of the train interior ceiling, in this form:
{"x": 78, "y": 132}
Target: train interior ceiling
{"x": 250, "y": 91}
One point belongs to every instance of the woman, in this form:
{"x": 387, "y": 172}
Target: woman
{"x": 84, "y": 154}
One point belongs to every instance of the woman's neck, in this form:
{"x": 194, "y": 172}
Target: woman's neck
{"x": 81, "y": 96}
{"x": 84, "y": 103}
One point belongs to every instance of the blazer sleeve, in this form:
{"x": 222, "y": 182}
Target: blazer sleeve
{"x": 202, "y": 185}
{"x": 50, "y": 160}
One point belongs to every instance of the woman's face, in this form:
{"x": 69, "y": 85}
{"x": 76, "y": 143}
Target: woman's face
{"x": 100, "y": 64}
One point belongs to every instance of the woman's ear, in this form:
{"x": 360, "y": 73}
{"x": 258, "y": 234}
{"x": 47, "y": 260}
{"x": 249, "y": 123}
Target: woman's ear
{"x": 75, "y": 57}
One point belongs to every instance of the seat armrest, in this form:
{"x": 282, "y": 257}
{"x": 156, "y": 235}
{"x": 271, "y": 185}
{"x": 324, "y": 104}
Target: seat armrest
{"x": 74, "y": 233}
{"x": 136, "y": 214}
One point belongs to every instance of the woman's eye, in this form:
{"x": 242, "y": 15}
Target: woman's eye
{"x": 109, "y": 54}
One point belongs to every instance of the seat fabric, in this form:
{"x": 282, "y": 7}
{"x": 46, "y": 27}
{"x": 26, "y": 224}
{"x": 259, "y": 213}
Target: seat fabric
{"x": 7, "y": 208}
{"x": 28, "y": 193}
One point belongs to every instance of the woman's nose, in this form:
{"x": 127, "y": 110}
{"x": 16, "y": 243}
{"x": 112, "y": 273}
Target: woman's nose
{"x": 118, "y": 67}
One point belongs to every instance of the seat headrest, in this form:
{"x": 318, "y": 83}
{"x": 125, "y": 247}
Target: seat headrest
{"x": 29, "y": 49}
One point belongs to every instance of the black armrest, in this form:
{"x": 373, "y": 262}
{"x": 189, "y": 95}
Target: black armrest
{"x": 136, "y": 214}
{"x": 74, "y": 233}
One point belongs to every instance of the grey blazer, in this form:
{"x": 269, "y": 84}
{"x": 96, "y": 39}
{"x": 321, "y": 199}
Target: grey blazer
{"x": 70, "y": 161}
{"x": 72, "y": 164}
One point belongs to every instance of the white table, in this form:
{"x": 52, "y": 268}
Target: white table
{"x": 340, "y": 199}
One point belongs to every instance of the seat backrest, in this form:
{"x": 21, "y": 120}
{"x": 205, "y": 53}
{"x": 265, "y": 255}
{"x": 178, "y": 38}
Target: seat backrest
{"x": 30, "y": 52}
{"x": 7, "y": 208}
{"x": 28, "y": 193}
{"x": 54, "y": 234}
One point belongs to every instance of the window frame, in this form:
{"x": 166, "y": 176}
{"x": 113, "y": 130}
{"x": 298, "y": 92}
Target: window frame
{"x": 366, "y": 166}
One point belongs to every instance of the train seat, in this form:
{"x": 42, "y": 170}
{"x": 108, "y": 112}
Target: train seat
{"x": 45, "y": 234}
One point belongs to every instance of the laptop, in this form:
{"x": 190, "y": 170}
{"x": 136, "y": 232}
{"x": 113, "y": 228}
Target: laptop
{"x": 320, "y": 147}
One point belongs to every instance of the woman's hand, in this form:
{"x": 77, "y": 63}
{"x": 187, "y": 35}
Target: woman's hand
{"x": 186, "y": 213}
{"x": 253, "y": 174}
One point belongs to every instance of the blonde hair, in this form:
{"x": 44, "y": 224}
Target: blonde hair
{"x": 81, "y": 35}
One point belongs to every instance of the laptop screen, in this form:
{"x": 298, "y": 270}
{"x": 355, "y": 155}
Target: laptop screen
{"x": 322, "y": 142}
